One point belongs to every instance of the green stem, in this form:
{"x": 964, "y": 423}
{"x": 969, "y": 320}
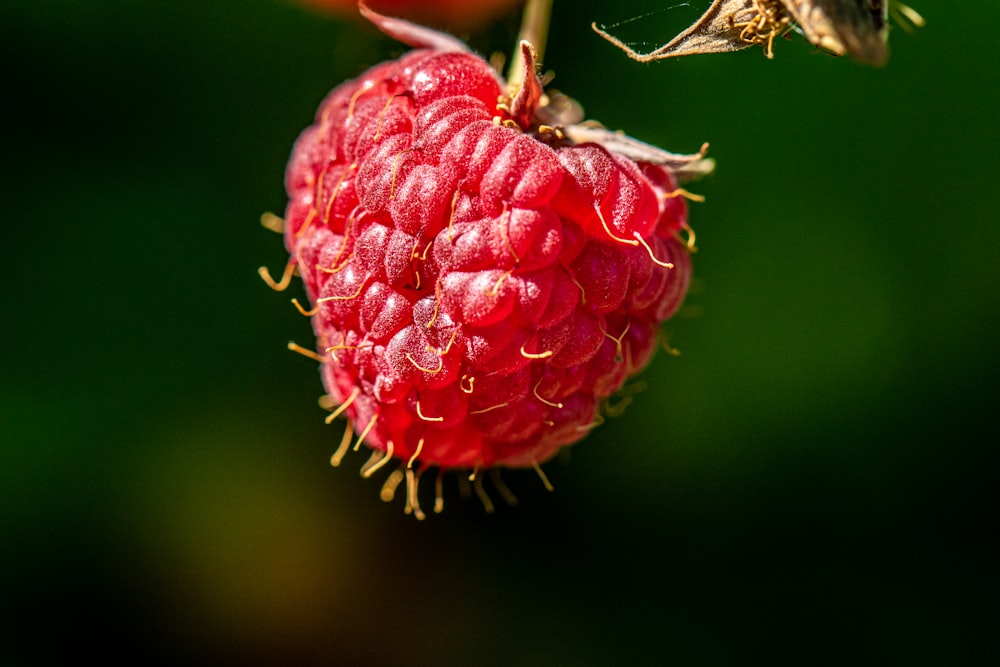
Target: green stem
{"x": 534, "y": 29}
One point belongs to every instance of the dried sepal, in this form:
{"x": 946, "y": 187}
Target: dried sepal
{"x": 684, "y": 167}
{"x": 714, "y": 32}
{"x": 560, "y": 110}
{"x": 412, "y": 34}
{"x": 529, "y": 94}
{"x": 858, "y": 28}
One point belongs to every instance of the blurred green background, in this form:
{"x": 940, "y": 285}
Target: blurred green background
{"x": 806, "y": 484}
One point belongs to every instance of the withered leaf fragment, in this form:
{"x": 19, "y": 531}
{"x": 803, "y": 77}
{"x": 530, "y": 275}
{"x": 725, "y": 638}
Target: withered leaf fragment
{"x": 857, "y": 28}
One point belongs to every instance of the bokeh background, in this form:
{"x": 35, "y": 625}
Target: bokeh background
{"x": 807, "y": 483}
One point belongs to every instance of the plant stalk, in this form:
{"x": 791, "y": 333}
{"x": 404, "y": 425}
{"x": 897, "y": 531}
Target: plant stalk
{"x": 535, "y": 30}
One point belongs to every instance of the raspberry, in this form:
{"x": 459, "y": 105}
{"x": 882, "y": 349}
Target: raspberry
{"x": 483, "y": 271}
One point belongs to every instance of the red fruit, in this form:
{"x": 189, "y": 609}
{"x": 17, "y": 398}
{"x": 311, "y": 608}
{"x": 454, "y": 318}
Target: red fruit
{"x": 482, "y": 276}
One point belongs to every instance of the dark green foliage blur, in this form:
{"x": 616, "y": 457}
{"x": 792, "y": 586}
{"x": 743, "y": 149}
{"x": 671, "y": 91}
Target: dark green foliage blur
{"x": 806, "y": 484}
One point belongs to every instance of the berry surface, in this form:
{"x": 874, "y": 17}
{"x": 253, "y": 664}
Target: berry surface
{"x": 479, "y": 282}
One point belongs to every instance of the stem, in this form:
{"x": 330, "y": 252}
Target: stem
{"x": 534, "y": 29}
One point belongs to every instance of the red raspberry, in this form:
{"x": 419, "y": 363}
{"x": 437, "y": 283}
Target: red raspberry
{"x": 481, "y": 276}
